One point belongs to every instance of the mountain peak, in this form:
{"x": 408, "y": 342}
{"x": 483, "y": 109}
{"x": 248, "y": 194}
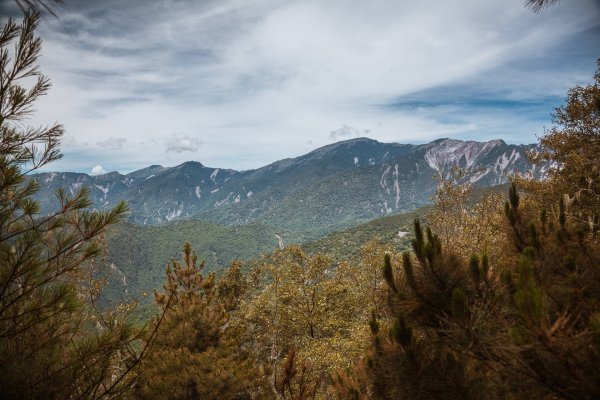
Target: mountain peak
{"x": 191, "y": 164}
{"x": 145, "y": 172}
{"x": 342, "y": 143}
{"x": 356, "y": 140}
{"x": 497, "y": 142}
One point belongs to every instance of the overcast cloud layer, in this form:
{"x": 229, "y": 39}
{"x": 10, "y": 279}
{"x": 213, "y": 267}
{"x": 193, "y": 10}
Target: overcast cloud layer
{"x": 241, "y": 83}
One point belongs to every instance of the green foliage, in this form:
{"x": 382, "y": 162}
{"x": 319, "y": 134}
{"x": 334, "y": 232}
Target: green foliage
{"x": 138, "y": 253}
{"x": 388, "y": 274}
{"x": 310, "y": 306}
{"x": 573, "y": 146}
{"x": 523, "y": 329}
{"x": 54, "y": 344}
{"x": 467, "y": 220}
{"x": 232, "y": 286}
{"x": 521, "y": 324}
{"x": 194, "y": 355}
{"x": 347, "y": 244}
{"x": 296, "y": 383}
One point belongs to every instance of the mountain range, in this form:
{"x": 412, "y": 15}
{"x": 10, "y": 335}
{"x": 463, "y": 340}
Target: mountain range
{"x": 331, "y": 188}
{"x": 331, "y": 200}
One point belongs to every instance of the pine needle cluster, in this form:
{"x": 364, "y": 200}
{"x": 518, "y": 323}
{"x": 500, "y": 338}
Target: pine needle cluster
{"x": 53, "y": 342}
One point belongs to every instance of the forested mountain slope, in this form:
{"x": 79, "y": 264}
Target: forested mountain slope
{"x": 137, "y": 255}
{"x": 329, "y": 189}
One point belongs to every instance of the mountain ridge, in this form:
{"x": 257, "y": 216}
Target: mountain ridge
{"x": 330, "y": 188}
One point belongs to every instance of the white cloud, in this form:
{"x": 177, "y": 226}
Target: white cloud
{"x": 265, "y": 79}
{"x": 179, "y": 143}
{"x": 97, "y": 170}
{"x": 347, "y": 132}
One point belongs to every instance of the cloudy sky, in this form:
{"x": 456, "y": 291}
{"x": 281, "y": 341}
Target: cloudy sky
{"x": 242, "y": 83}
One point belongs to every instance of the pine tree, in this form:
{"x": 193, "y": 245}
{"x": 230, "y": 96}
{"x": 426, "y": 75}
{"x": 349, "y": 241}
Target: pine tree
{"x": 53, "y": 344}
{"x": 194, "y": 355}
{"x": 555, "y": 298}
{"x": 412, "y": 357}
{"x": 505, "y": 321}
{"x": 526, "y": 328}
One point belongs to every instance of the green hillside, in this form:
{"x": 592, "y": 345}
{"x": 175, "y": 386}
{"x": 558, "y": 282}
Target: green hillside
{"x": 346, "y": 244}
{"x": 138, "y": 254}
{"x": 395, "y": 229}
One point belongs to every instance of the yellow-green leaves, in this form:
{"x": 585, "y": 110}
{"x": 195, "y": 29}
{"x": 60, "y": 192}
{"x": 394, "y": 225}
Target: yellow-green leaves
{"x": 311, "y": 305}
